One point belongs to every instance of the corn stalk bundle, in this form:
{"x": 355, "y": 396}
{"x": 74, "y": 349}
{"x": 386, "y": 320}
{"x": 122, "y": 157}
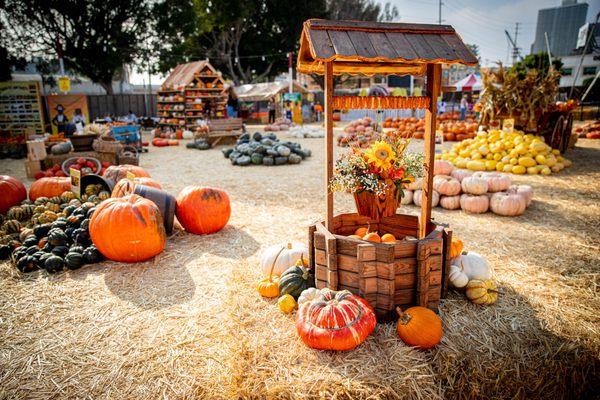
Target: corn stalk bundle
{"x": 506, "y": 95}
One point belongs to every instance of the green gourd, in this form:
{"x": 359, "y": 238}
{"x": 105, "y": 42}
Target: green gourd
{"x": 296, "y": 279}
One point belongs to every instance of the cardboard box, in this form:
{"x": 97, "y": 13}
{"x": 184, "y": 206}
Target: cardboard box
{"x": 36, "y": 150}
{"x": 32, "y": 168}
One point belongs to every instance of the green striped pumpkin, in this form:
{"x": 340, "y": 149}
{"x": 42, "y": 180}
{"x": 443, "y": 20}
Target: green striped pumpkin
{"x": 11, "y": 226}
{"x": 296, "y": 279}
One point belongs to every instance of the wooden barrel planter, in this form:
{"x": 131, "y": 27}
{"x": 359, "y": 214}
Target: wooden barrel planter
{"x": 409, "y": 272}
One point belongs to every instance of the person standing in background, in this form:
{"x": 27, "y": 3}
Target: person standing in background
{"x": 60, "y": 119}
{"x": 271, "y": 107}
{"x": 288, "y": 110}
{"x": 318, "y": 111}
{"x": 463, "y": 107}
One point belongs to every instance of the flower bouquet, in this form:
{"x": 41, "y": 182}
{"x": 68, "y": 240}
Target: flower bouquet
{"x": 375, "y": 175}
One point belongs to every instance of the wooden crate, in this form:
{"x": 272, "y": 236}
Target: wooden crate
{"x": 409, "y": 272}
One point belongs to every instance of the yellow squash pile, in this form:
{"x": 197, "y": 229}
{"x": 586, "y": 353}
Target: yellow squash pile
{"x": 512, "y": 152}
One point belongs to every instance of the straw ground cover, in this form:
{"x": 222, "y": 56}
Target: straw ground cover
{"x": 189, "y": 324}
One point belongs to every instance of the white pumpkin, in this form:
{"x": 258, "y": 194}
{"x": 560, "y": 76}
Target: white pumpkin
{"x": 473, "y": 265}
{"x": 474, "y": 185}
{"x": 446, "y": 185}
{"x": 407, "y": 198}
{"x": 418, "y": 197}
{"x": 508, "y": 204}
{"x": 524, "y": 190}
{"x": 188, "y": 134}
{"x": 417, "y": 184}
{"x": 460, "y": 174}
{"x": 450, "y": 202}
{"x": 442, "y": 167}
{"x": 284, "y": 256}
{"x": 457, "y": 277}
{"x": 496, "y": 182}
{"x": 308, "y": 295}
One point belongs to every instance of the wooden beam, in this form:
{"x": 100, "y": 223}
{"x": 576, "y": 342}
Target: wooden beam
{"x": 434, "y": 77}
{"x": 328, "y": 144}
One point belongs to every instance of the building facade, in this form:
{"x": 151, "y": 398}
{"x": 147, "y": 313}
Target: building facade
{"x": 562, "y": 26}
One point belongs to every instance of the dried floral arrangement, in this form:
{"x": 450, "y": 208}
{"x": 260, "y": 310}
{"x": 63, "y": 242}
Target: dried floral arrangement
{"x": 377, "y": 168}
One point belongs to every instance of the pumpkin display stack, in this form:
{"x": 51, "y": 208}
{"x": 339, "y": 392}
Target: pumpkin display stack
{"x": 51, "y": 234}
{"x": 266, "y": 150}
{"x": 510, "y": 152}
{"x": 474, "y": 192}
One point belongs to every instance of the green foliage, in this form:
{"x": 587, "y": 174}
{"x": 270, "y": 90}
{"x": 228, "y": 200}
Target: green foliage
{"x": 538, "y": 61}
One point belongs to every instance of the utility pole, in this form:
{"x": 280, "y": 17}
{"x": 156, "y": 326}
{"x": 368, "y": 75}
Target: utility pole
{"x": 516, "y": 49}
{"x": 440, "y": 12}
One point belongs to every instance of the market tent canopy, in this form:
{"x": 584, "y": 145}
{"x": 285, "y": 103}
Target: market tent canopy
{"x": 468, "y": 84}
{"x": 368, "y": 48}
{"x": 265, "y": 91}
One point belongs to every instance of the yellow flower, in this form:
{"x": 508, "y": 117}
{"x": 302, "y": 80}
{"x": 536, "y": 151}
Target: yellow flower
{"x": 380, "y": 155}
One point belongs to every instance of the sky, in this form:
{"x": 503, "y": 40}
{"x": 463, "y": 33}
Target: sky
{"x": 483, "y": 22}
{"x": 478, "y": 22}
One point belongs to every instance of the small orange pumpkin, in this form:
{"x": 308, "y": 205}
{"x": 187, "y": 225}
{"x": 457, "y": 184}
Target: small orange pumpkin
{"x": 456, "y": 247}
{"x": 419, "y": 327}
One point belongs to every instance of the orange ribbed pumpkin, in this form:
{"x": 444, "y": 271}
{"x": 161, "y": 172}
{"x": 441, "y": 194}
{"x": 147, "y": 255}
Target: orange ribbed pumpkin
{"x": 203, "y": 210}
{"x": 12, "y": 192}
{"x": 335, "y": 321}
{"x": 128, "y": 229}
{"x": 126, "y": 186}
{"x": 419, "y": 327}
{"x": 117, "y": 172}
{"x": 49, "y": 187}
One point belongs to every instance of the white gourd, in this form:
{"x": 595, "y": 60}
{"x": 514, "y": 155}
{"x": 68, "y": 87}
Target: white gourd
{"x": 473, "y": 265}
{"x": 457, "y": 277}
{"x": 407, "y": 198}
{"x": 308, "y": 295}
{"x": 291, "y": 253}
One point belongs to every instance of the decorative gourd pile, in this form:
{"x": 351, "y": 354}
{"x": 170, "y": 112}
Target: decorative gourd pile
{"x": 330, "y": 320}
{"x": 265, "y": 150}
{"x": 511, "y": 152}
{"x": 49, "y": 233}
{"x": 360, "y": 132}
{"x": 473, "y": 192}
{"x": 471, "y": 272}
{"x": 280, "y": 124}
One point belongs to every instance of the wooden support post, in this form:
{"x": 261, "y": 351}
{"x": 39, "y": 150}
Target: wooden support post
{"x": 434, "y": 73}
{"x": 328, "y": 143}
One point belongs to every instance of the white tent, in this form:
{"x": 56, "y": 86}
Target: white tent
{"x": 471, "y": 83}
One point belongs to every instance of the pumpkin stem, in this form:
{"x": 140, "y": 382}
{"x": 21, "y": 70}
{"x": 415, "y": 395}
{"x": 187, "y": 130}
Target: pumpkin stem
{"x": 404, "y": 318}
{"x": 289, "y": 245}
{"x": 275, "y": 260}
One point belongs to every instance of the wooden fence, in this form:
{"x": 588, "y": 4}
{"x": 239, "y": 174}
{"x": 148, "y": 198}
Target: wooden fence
{"x": 121, "y": 104}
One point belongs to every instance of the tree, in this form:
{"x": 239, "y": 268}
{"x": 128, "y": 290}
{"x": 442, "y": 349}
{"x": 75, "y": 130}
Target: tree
{"x": 247, "y": 39}
{"x": 361, "y": 10}
{"x": 537, "y": 61}
{"x": 475, "y": 50}
{"x": 97, "y": 38}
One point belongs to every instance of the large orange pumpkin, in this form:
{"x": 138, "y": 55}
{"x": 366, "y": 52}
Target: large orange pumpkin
{"x": 147, "y": 182}
{"x": 128, "y": 229}
{"x": 12, "y": 192}
{"x": 335, "y": 321}
{"x": 203, "y": 210}
{"x": 117, "y": 172}
{"x": 419, "y": 327}
{"x": 49, "y": 187}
